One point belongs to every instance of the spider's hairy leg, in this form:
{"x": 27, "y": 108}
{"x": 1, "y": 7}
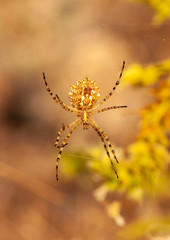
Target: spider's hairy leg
{"x": 104, "y": 140}
{"x": 107, "y": 140}
{"x": 108, "y": 108}
{"x": 62, "y": 130}
{"x": 57, "y": 99}
{"x": 64, "y": 143}
{"x": 114, "y": 88}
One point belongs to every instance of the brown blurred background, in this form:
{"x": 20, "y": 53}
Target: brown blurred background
{"x": 68, "y": 40}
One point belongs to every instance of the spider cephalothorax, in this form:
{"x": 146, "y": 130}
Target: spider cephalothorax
{"x": 84, "y": 97}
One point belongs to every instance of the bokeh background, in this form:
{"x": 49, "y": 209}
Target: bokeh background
{"x": 69, "y": 40}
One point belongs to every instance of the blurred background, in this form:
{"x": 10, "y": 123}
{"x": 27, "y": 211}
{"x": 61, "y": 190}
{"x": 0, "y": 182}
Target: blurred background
{"x": 69, "y": 40}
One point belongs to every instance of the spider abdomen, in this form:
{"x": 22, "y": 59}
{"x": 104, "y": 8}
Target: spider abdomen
{"x": 84, "y": 95}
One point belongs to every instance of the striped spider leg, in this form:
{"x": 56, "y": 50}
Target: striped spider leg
{"x": 83, "y": 98}
{"x": 113, "y": 89}
{"x": 64, "y": 143}
{"x": 62, "y": 130}
{"x": 105, "y": 141}
{"x": 108, "y": 108}
{"x": 57, "y": 99}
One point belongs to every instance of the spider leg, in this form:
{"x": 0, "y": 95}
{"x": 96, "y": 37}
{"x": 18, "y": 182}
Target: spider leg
{"x": 62, "y": 130}
{"x": 104, "y": 140}
{"x": 57, "y": 99}
{"x": 108, "y": 108}
{"x": 64, "y": 143}
{"x": 114, "y": 88}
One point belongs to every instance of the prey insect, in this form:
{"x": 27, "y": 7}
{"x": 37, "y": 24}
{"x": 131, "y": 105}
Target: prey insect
{"x": 84, "y": 97}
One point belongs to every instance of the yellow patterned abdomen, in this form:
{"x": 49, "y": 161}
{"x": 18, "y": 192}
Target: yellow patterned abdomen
{"x": 84, "y": 95}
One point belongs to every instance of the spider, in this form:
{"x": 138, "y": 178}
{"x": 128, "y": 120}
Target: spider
{"x": 83, "y": 98}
